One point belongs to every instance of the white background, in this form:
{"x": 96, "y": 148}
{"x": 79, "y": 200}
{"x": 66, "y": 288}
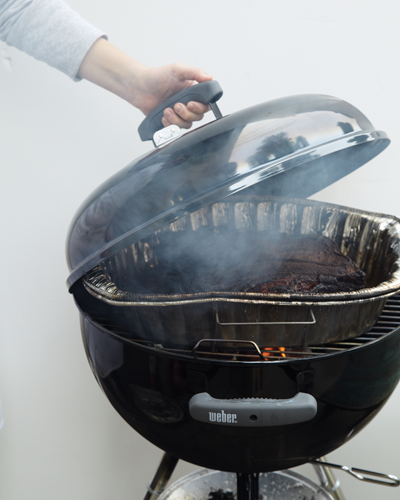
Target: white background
{"x": 59, "y": 140}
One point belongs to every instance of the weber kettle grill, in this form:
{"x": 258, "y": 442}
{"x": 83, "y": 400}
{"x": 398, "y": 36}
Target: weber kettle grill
{"x": 201, "y": 375}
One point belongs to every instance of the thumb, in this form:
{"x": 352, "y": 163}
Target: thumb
{"x": 186, "y": 72}
{"x": 202, "y": 76}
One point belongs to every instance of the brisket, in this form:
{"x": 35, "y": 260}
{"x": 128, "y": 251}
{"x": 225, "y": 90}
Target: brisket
{"x": 259, "y": 262}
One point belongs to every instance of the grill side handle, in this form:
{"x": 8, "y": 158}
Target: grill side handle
{"x": 252, "y": 412}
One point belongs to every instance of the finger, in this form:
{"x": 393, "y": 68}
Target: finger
{"x": 165, "y": 122}
{"x": 187, "y": 115}
{"x": 198, "y": 107}
{"x": 173, "y": 119}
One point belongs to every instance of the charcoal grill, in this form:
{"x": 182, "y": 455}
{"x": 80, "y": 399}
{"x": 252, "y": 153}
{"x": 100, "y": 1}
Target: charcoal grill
{"x": 304, "y": 401}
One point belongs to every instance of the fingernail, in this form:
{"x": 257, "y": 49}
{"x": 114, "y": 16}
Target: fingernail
{"x": 178, "y": 108}
{"x": 191, "y": 106}
{"x": 167, "y": 112}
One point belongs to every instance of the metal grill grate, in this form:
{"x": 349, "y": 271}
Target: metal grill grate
{"x": 231, "y": 350}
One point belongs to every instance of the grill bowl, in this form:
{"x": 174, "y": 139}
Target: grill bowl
{"x": 151, "y": 388}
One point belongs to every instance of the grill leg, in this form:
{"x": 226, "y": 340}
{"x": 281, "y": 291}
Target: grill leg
{"x": 161, "y": 477}
{"x": 247, "y": 486}
{"x": 328, "y": 480}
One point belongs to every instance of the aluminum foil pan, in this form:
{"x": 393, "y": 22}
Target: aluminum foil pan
{"x": 371, "y": 240}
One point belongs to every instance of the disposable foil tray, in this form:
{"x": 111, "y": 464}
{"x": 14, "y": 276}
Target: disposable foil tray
{"x": 371, "y": 240}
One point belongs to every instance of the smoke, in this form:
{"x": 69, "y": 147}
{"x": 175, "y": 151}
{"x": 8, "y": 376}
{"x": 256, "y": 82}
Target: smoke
{"x": 241, "y": 246}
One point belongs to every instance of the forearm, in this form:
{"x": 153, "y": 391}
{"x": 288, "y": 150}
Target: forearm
{"x": 112, "y": 69}
{"x": 143, "y": 87}
{"x": 52, "y": 32}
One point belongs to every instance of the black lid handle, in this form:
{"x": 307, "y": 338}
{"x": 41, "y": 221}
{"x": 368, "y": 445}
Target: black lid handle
{"x": 205, "y": 92}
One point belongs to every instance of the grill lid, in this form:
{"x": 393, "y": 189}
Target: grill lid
{"x": 293, "y": 146}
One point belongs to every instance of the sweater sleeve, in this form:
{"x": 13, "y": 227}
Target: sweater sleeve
{"x": 48, "y": 30}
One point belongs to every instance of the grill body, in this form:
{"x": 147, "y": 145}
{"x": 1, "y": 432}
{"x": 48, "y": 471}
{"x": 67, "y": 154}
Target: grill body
{"x": 151, "y": 389}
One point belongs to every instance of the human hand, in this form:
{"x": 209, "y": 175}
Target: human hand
{"x": 156, "y": 85}
{"x": 144, "y": 87}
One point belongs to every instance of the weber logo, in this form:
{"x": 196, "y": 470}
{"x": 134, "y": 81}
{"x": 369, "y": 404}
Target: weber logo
{"x": 228, "y": 418}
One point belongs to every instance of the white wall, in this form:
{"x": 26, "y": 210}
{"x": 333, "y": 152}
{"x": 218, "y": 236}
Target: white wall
{"x": 59, "y": 140}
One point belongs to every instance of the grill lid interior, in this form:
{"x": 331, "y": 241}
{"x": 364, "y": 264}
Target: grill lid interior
{"x": 293, "y": 146}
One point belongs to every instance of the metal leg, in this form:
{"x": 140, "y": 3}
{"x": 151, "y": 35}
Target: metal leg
{"x": 328, "y": 480}
{"x": 161, "y": 477}
{"x": 247, "y": 486}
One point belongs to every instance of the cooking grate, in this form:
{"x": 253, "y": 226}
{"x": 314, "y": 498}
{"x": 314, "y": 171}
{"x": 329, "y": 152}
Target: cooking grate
{"x": 237, "y": 350}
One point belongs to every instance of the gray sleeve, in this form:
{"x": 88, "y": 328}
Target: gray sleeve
{"x": 48, "y": 30}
